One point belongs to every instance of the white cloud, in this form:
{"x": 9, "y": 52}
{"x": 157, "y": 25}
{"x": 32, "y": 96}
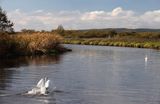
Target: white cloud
{"x": 117, "y": 18}
{"x": 120, "y": 12}
{"x": 153, "y": 16}
{"x": 39, "y": 11}
{"x": 92, "y": 15}
{"x": 19, "y": 17}
{"x": 116, "y": 11}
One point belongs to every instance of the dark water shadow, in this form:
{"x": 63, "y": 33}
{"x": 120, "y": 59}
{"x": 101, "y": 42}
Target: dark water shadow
{"x": 6, "y": 64}
{"x": 29, "y": 60}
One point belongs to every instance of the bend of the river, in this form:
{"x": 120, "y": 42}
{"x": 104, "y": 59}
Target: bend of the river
{"x": 87, "y": 75}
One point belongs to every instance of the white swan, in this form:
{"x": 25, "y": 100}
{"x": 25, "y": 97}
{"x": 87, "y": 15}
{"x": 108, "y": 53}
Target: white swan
{"x": 146, "y": 58}
{"x": 41, "y": 87}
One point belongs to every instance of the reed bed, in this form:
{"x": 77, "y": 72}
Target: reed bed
{"x": 30, "y": 44}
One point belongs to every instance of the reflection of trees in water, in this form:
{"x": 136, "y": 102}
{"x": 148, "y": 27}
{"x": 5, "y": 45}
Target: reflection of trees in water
{"x": 6, "y": 75}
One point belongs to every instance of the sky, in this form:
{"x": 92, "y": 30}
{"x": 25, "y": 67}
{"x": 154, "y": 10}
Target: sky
{"x": 82, "y": 14}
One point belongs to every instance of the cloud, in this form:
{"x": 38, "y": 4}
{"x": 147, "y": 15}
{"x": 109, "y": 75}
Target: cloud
{"x": 92, "y": 15}
{"x": 117, "y": 11}
{"x": 117, "y": 18}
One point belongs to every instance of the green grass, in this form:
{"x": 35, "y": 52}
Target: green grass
{"x": 115, "y": 42}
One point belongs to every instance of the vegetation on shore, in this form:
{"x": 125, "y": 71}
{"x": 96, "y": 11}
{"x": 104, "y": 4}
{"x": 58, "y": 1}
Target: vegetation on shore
{"x": 30, "y": 44}
{"x": 111, "y": 37}
{"x": 114, "y": 42}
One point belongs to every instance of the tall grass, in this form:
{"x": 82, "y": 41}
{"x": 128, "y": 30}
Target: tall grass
{"x": 29, "y": 44}
{"x": 115, "y": 42}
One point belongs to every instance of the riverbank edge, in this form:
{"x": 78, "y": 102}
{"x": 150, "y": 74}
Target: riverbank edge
{"x": 31, "y": 44}
{"x": 57, "y": 51}
{"x": 106, "y": 42}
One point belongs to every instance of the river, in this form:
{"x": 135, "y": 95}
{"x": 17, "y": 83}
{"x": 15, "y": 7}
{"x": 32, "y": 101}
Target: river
{"x": 87, "y": 75}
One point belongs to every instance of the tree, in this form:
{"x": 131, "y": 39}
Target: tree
{"x": 5, "y": 24}
{"x": 60, "y": 30}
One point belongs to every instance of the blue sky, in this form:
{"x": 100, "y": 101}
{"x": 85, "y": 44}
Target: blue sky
{"x": 79, "y": 14}
{"x": 82, "y": 5}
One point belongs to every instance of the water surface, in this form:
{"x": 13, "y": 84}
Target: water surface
{"x": 87, "y": 75}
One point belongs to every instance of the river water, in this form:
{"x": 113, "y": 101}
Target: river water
{"x": 87, "y": 75}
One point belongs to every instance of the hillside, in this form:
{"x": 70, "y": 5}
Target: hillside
{"x": 125, "y": 30}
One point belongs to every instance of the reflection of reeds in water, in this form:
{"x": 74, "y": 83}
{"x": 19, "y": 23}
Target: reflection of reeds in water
{"x": 12, "y": 63}
{"x": 25, "y": 44}
{"x": 42, "y": 60}
{"x": 29, "y": 60}
{"x": 4, "y": 76}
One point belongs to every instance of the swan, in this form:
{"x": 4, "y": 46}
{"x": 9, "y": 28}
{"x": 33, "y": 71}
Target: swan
{"x": 41, "y": 87}
{"x": 146, "y": 58}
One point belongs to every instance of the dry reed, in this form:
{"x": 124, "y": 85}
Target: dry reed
{"x": 26, "y": 44}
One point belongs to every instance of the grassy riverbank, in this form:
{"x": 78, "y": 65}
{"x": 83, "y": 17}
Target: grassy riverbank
{"x": 30, "y": 44}
{"x": 114, "y": 37}
{"x": 115, "y": 42}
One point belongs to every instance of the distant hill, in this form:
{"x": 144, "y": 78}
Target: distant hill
{"x": 137, "y": 30}
{"x": 126, "y": 30}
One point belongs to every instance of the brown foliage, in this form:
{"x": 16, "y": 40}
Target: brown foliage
{"x": 25, "y": 44}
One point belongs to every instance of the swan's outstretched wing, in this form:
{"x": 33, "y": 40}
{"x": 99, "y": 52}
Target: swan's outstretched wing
{"x": 43, "y": 90}
{"x": 47, "y": 83}
{"x": 40, "y": 83}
